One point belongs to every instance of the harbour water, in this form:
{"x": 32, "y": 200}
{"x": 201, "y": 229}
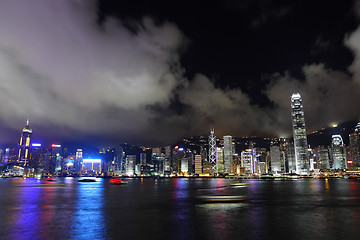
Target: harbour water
{"x": 169, "y": 209}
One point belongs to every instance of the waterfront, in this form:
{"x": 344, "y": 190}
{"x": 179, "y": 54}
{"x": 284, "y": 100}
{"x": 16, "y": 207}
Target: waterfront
{"x": 167, "y": 209}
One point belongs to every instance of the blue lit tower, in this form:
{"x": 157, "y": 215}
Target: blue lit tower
{"x": 24, "y": 145}
{"x": 212, "y": 150}
{"x": 299, "y": 133}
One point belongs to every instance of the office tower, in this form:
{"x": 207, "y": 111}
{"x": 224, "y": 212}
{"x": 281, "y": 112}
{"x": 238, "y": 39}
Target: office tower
{"x": 275, "y": 159}
{"x": 130, "y": 164}
{"x": 235, "y": 164}
{"x": 228, "y": 153}
{"x": 198, "y": 164}
{"x": 156, "y": 151}
{"x": 118, "y": 160}
{"x": 290, "y": 158}
{"x": 355, "y": 146}
{"x": 338, "y": 153}
{"x": 212, "y": 150}
{"x": 247, "y": 161}
{"x": 322, "y": 158}
{"x": 220, "y": 160}
{"x": 261, "y": 160}
{"x": 143, "y": 159}
{"x": 177, "y": 155}
{"x": 24, "y": 145}
{"x": 78, "y": 160}
{"x": 167, "y": 162}
{"x": 56, "y": 159}
{"x": 299, "y": 134}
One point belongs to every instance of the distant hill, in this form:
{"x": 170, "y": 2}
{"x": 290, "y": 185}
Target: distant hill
{"x": 324, "y": 136}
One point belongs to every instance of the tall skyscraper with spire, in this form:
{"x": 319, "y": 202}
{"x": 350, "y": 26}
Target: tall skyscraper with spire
{"x": 212, "y": 150}
{"x": 24, "y": 145}
{"x": 299, "y": 134}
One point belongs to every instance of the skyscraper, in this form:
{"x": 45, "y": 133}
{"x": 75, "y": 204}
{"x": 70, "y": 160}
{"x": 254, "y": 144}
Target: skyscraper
{"x": 212, "y": 150}
{"x": 338, "y": 153}
{"x": 228, "y": 153}
{"x": 247, "y": 161}
{"x": 24, "y": 145}
{"x": 299, "y": 134}
{"x": 198, "y": 165}
{"x": 118, "y": 160}
{"x": 275, "y": 159}
{"x": 355, "y": 146}
{"x": 220, "y": 160}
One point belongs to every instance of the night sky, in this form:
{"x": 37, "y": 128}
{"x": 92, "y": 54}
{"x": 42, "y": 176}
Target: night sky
{"x": 152, "y": 72}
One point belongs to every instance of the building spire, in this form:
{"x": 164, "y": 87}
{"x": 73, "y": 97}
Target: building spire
{"x": 27, "y": 122}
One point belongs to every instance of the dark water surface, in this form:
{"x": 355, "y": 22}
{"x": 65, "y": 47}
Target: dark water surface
{"x": 167, "y": 209}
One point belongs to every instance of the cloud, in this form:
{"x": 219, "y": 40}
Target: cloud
{"x": 328, "y": 96}
{"x": 58, "y": 67}
{"x": 77, "y": 80}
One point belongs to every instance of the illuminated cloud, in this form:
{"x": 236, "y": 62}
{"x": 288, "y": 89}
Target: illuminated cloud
{"x": 78, "y": 80}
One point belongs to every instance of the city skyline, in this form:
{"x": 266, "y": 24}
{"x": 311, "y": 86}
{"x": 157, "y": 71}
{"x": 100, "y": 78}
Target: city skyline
{"x": 143, "y": 73}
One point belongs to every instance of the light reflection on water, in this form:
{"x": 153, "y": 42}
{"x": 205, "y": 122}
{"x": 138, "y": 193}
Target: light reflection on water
{"x": 167, "y": 209}
{"x": 89, "y": 219}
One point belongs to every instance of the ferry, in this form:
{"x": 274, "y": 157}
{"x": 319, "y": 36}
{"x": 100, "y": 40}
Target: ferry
{"x": 117, "y": 181}
{"x": 87, "y": 180}
{"x": 220, "y": 199}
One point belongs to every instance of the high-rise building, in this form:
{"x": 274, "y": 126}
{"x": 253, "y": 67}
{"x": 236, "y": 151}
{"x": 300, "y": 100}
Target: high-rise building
{"x": 299, "y": 134}
{"x": 212, "y": 150}
{"x": 78, "y": 160}
{"x": 290, "y": 157}
{"x": 338, "y": 153}
{"x": 118, "y": 160}
{"x": 198, "y": 165}
{"x": 130, "y": 164}
{"x": 275, "y": 159}
{"x": 56, "y": 158}
{"x": 220, "y": 160}
{"x": 355, "y": 146}
{"x": 24, "y": 145}
{"x": 322, "y": 158}
{"x": 167, "y": 162}
{"x": 228, "y": 153}
{"x": 247, "y": 161}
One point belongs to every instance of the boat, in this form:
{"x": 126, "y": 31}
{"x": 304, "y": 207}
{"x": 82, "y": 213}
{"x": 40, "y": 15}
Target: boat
{"x": 293, "y": 176}
{"x": 220, "y": 199}
{"x": 117, "y": 181}
{"x": 87, "y": 180}
{"x": 239, "y": 185}
{"x": 50, "y": 180}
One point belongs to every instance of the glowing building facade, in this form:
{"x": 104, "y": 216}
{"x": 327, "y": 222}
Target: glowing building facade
{"x": 247, "y": 161}
{"x": 24, "y": 145}
{"x": 198, "y": 164}
{"x": 338, "y": 153}
{"x": 212, "y": 150}
{"x": 355, "y": 146}
{"x": 299, "y": 134}
{"x": 220, "y": 160}
{"x": 228, "y": 153}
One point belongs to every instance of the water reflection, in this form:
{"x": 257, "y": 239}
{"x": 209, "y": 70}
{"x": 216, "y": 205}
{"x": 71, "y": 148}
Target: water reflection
{"x": 24, "y": 223}
{"x": 89, "y": 221}
{"x": 167, "y": 209}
